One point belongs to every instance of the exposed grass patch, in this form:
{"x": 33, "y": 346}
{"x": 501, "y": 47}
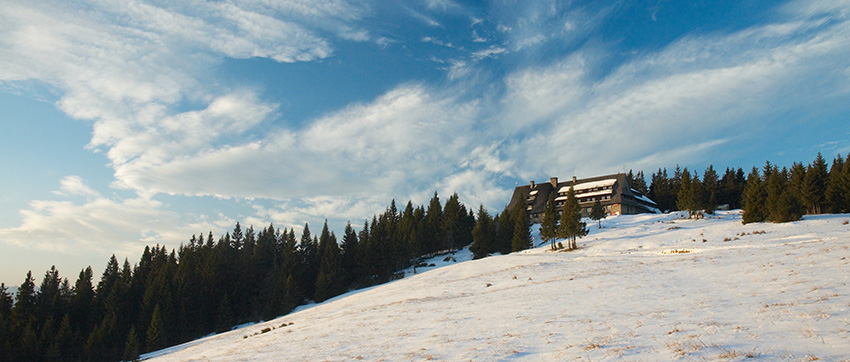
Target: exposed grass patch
{"x": 675, "y": 251}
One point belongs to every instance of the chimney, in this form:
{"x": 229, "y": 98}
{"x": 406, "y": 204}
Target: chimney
{"x": 554, "y": 181}
{"x": 574, "y": 180}
{"x": 532, "y": 185}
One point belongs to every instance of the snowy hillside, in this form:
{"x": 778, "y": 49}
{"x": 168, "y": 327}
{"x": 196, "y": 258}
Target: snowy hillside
{"x": 645, "y": 287}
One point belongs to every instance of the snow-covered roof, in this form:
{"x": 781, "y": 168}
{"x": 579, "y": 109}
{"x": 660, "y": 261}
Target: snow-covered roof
{"x": 595, "y": 193}
{"x": 589, "y": 185}
{"x": 644, "y": 199}
{"x": 587, "y": 194}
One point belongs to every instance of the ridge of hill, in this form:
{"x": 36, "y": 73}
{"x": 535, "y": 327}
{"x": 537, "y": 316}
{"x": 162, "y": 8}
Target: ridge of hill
{"x": 645, "y": 287}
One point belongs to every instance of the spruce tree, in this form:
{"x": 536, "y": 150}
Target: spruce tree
{"x": 483, "y": 235}
{"x": 350, "y": 257}
{"x": 711, "y": 189}
{"x": 131, "y": 347}
{"x": 814, "y": 186}
{"x": 155, "y": 335}
{"x": 597, "y": 213}
{"x": 834, "y": 195}
{"x": 782, "y": 202}
{"x": 684, "y": 199}
{"x": 452, "y": 222}
{"x": 504, "y": 231}
{"x": 434, "y": 226}
{"x": 521, "y": 239}
{"x": 753, "y": 199}
{"x": 329, "y": 281}
{"x": 570, "y": 226}
{"x": 549, "y": 226}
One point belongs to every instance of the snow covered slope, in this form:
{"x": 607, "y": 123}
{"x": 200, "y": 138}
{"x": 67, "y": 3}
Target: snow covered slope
{"x": 645, "y": 287}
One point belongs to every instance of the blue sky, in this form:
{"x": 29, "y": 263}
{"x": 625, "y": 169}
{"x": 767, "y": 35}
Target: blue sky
{"x": 133, "y": 123}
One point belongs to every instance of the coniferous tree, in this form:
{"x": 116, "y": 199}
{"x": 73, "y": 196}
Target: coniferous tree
{"x": 834, "y": 194}
{"x": 549, "y": 226}
{"x": 782, "y": 203}
{"x": 131, "y": 347}
{"x": 711, "y": 189}
{"x": 309, "y": 267}
{"x": 797, "y": 179}
{"x": 5, "y": 302}
{"x": 570, "y": 226}
{"x": 684, "y": 199}
{"x": 24, "y": 313}
{"x": 452, "y": 222}
{"x": 350, "y": 257}
{"x": 597, "y": 213}
{"x": 155, "y": 336}
{"x": 754, "y": 198}
{"x": 329, "y": 281}
{"x": 814, "y": 186}
{"x": 483, "y": 235}
{"x": 521, "y": 238}
{"x": 504, "y": 231}
{"x": 434, "y": 230}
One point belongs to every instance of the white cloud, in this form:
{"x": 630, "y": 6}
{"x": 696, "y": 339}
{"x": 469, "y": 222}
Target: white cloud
{"x": 75, "y": 186}
{"x": 678, "y": 104}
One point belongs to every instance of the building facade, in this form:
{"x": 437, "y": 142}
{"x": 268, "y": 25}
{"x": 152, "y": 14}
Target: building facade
{"x": 613, "y": 191}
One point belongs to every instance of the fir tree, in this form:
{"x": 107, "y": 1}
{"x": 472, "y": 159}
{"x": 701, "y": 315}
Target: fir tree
{"x": 504, "y": 231}
{"x": 452, "y": 222}
{"x": 753, "y": 200}
{"x": 483, "y": 235}
{"x": 597, "y": 213}
{"x": 570, "y": 226}
{"x": 834, "y": 194}
{"x": 690, "y": 196}
{"x": 782, "y": 203}
{"x": 711, "y": 189}
{"x": 549, "y": 226}
{"x": 131, "y": 347}
{"x": 521, "y": 238}
{"x": 814, "y": 186}
{"x": 155, "y": 336}
{"x": 349, "y": 251}
{"x": 434, "y": 225}
{"x": 329, "y": 281}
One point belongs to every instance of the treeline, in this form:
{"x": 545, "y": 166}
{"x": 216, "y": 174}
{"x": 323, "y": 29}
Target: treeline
{"x": 774, "y": 194}
{"x": 210, "y": 285}
{"x": 781, "y": 195}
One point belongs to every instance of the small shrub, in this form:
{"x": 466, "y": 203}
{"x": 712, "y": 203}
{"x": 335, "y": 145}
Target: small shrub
{"x": 845, "y": 222}
{"x": 727, "y": 239}
{"x": 265, "y": 330}
{"x": 560, "y": 245}
{"x": 489, "y": 285}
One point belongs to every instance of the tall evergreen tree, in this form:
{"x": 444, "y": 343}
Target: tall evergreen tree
{"x": 814, "y": 185}
{"x": 597, "y": 213}
{"x": 434, "y": 225}
{"x": 131, "y": 347}
{"x": 571, "y": 226}
{"x": 834, "y": 194}
{"x": 754, "y": 198}
{"x": 711, "y": 189}
{"x": 521, "y": 238}
{"x": 329, "y": 282}
{"x": 504, "y": 231}
{"x": 452, "y": 219}
{"x": 483, "y": 235}
{"x": 782, "y": 203}
{"x": 155, "y": 335}
{"x": 549, "y": 226}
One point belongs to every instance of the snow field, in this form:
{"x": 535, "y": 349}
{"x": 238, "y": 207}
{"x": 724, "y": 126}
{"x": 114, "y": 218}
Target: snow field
{"x": 645, "y": 287}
